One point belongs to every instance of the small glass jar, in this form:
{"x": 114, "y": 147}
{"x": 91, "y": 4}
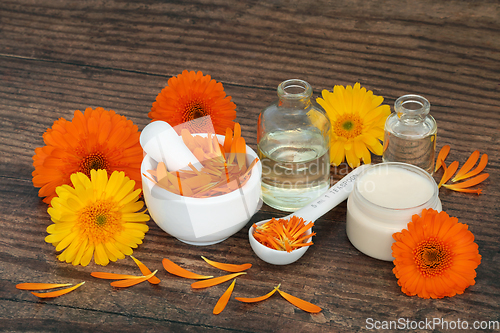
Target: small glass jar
{"x": 383, "y": 201}
{"x": 410, "y": 133}
{"x": 293, "y": 140}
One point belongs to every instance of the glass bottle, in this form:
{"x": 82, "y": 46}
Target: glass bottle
{"x": 293, "y": 139}
{"x": 410, "y": 133}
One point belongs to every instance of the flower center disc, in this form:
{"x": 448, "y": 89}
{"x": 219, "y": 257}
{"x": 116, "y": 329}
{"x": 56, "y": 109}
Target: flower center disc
{"x": 432, "y": 257}
{"x": 99, "y": 221}
{"x": 194, "y": 109}
{"x": 93, "y": 161}
{"x": 348, "y": 126}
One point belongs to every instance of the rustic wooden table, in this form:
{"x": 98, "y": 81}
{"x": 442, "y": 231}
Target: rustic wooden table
{"x": 60, "y": 56}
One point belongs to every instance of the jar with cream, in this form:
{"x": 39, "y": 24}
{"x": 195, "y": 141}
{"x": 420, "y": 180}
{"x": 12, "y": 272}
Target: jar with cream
{"x": 384, "y": 198}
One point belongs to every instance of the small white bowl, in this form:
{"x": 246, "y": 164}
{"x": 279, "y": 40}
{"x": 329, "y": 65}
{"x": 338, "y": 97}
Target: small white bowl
{"x": 272, "y": 256}
{"x": 203, "y": 221}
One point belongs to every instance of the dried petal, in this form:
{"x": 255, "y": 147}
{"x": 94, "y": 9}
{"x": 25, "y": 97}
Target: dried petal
{"x": 449, "y": 171}
{"x": 214, "y": 281}
{"x": 132, "y": 282}
{"x": 41, "y": 286}
{"x": 175, "y": 269}
{"x": 146, "y": 271}
{"x": 258, "y": 299}
{"x": 471, "y": 161}
{"x": 301, "y": 304}
{"x": 222, "y": 302}
{"x": 57, "y": 293}
{"x": 468, "y": 183}
{"x": 114, "y": 276}
{"x": 480, "y": 167}
{"x": 228, "y": 267}
{"x": 442, "y": 156}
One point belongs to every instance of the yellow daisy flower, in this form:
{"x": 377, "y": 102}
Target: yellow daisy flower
{"x": 357, "y": 121}
{"x": 96, "y": 217}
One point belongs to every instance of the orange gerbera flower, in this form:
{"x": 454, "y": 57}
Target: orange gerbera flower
{"x": 435, "y": 256}
{"x": 190, "y": 96}
{"x": 96, "y": 139}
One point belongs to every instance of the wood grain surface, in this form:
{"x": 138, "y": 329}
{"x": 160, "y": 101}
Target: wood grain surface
{"x": 58, "y": 56}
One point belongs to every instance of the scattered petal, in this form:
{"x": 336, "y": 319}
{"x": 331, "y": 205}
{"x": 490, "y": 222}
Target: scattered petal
{"x": 132, "y": 282}
{"x": 57, "y": 293}
{"x": 468, "y": 183}
{"x": 146, "y": 271}
{"x": 175, "y": 269}
{"x": 442, "y": 156}
{"x": 301, "y": 304}
{"x": 448, "y": 173}
{"x": 215, "y": 281}
{"x": 480, "y": 167}
{"x": 258, "y": 299}
{"x": 228, "y": 267}
{"x": 222, "y": 302}
{"x": 41, "y": 286}
{"x": 471, "y": 161}
{"x": 114, "y": 276}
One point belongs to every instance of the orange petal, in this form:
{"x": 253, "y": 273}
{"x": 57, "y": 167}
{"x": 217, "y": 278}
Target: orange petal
{"x": 40, "y": 286}
{"x": 258, "y": 299}
{"x": 222, "y": 302}
{"x": 471, "y": 161}
{"x": 301, "y": 304}
{"x": 146, "y": 271}
{"x": 468, "y": 183}
{"x": 57, "y": 293}
{"x": 228, "y": 140}
{"x": 161, "y": 171}
{"x": 175, "y": 269}
{"x": 480, "y": 167}
{"x": 132, "y": 282}
{"x": 442, "y": 156}
{"x": 114, "y": 276}
{"x": 228, "y": 267}
{"x": 215, "y": 281}
{"x": 241, "y": 154}
{"x": 467, "y": 190}
{"x": 448, "y": 173}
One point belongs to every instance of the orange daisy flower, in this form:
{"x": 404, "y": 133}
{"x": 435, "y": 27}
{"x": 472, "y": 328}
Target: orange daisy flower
{"x": 190, "y": 96}
{"x": 435, "y": 256}
{"x": 96, "y": 139}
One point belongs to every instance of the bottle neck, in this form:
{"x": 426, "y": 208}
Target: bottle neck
{"x": 412, "y": 109}
{"x": 295, "y": 93}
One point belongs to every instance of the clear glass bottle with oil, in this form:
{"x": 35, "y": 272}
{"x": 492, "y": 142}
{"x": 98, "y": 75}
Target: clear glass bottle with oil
{"x": 293, "y": 139}
{"x": 410, "y": 133}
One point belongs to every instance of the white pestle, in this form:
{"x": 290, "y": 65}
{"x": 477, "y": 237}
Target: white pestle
{"x": 162, "y": 143}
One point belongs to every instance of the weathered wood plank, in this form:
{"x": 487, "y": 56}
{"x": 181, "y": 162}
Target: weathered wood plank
{"x": 56, "y": 57}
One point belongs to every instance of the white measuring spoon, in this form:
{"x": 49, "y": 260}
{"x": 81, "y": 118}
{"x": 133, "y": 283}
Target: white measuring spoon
{"x": 310, "y": 213}
{"x": 334, "y": 196}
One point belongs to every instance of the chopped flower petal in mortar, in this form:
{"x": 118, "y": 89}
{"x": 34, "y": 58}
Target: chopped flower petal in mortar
{"x": 224, "y": 166}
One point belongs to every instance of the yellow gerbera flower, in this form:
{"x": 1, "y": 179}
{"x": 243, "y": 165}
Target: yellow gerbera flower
{"x": 96, "y": 217}
{"x": 357, "y": 120}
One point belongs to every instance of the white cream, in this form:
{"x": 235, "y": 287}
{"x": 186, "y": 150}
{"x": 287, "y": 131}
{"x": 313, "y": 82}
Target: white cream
{"x": 383, "y": 201}
{"x": 393, "y": 187}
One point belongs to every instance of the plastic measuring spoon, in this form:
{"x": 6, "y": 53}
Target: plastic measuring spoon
{"x": 334, "y": 196}
{"x": 319, "y": 207}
